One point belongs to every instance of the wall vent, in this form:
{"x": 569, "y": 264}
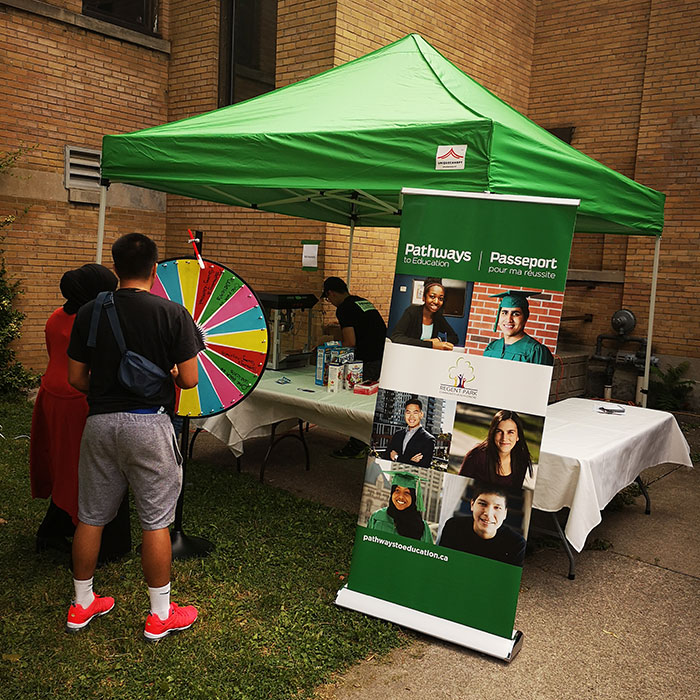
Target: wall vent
{"x": 82, "y": 168}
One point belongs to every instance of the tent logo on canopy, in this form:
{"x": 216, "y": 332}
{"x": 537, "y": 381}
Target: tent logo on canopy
{"x": 450, "y": 157}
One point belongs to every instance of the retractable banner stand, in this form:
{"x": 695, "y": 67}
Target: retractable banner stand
{"x": 465, "y": 380}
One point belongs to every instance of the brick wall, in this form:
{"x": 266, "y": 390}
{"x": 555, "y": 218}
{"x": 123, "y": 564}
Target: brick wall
{"x": 622, "y": 74}
{"x": 668, "y": 159}
{"x": 63, "y": 85}
{"x": 491, "y": 43}
{"x": 588, "y": 70}
{"x": 305, "y": 39}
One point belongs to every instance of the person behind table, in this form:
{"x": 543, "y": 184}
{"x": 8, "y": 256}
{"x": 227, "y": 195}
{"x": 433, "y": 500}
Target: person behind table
{"x": 425, "y": 326}
{"x": 515, "y": 344}
{"x": 129, "y": 440}
{"x": 484, "y": 533}
{"x": 503, "y": 458}
{"x": 403, "y": 514}
{"x": 412, "y": 444}
{"x": 57, "y": 425}
{"x": 362, "y": 328}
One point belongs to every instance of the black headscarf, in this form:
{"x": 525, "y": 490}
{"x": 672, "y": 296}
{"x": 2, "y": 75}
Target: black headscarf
{"x": 84, "y": 284}
{"x": 408, "y": 521}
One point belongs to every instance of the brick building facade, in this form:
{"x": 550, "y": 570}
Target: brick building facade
{"x": 622, "y": 74}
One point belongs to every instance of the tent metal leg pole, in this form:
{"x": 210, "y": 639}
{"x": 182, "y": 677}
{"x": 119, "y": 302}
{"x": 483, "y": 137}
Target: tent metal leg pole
{"x": 650, "y": 327}
{"x": 352, "y": 236}
{"x": 101, "y": 224}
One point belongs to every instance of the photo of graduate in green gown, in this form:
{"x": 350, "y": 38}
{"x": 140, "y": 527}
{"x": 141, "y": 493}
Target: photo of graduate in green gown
{"x": 515, "y": 344}
{"x": 403, "y": 514}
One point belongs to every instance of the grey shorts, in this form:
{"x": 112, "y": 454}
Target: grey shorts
{"x": 138, "y": 450}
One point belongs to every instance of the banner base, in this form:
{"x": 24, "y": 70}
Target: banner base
{"x": 469, "y": 637}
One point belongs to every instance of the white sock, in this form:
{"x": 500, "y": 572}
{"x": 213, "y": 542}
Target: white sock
{"x": 160, "y": 601}
{"x": 83, "y": 592}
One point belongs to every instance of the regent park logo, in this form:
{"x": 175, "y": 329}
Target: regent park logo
{"x": 460, "y": 375}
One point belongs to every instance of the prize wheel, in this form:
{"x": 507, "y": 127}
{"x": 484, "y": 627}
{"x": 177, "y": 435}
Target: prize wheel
{"x": 232, "y": 323}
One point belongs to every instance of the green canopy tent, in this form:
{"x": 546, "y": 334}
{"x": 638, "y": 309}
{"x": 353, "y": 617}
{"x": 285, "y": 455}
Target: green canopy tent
{"x": 340, "y": 146}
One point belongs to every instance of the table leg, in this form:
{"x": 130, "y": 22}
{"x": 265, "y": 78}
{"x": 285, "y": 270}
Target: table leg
{"x": 274, "y": 441}
{"x": 302, "y": 428}
{"x": 645, "y": 493}
{"x": 567, "y": 547}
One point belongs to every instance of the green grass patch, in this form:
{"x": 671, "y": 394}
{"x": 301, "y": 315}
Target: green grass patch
{"x": 268, "y": 626}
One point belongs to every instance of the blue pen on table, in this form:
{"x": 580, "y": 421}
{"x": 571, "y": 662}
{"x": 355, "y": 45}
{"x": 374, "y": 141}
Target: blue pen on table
{"x": 308, "y": 391}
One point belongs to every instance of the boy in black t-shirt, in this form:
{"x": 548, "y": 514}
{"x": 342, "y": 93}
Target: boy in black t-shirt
{"x": 363, "y": 328}
{"x": 129, "y": 440}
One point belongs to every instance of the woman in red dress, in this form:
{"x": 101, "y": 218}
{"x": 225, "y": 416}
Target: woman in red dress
{"x": 58, "y": 420}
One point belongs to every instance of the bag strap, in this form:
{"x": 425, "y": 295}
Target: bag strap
{"x": 95, "y": 319}
{"x": 114, "y": 322}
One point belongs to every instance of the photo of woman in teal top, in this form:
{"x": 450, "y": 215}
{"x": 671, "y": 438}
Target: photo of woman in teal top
{"x": 403, "y": 514}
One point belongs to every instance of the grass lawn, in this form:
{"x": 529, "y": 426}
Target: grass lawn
{"x": 268, "y": 627}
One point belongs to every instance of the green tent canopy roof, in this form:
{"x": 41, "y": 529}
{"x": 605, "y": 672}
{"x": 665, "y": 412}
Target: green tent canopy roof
{"x": 347, "y": 140}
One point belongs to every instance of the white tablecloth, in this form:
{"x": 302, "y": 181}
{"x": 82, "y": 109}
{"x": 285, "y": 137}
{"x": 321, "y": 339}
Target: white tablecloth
{"x": 586, "y": 457}
{"x": 345, "y": 412}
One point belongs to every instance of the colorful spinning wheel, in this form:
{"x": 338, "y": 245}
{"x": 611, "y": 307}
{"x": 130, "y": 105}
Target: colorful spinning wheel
{"x": 233, "y": 327}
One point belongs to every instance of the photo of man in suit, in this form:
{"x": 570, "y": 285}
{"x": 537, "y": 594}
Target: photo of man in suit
{"x": 412, "y": 444}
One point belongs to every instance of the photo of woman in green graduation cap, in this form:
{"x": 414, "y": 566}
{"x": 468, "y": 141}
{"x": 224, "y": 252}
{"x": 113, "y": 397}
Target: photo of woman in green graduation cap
{"x": 403, "y": 514}
{"x": 514, "y": 343}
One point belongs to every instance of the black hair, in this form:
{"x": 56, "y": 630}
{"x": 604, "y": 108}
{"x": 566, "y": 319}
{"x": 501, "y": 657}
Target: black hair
{"x": 431, "y": 282}
{"x": 334, "y": 284}
{"x": 85, "y": 283}
{"x": 415, "y": 401}
{"x": 408, "y": 522}
{"x": 481, "y": 487}
{"x": 134, "y": 256}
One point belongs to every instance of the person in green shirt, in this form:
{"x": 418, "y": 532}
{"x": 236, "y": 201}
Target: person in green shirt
{"x": 516, "y": 344}
{"x": 403, "y": 514}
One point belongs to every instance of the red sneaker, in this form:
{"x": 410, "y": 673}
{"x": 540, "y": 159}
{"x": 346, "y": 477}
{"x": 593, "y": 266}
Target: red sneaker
{"x": 178, "y": 620}
{"x": 79, "y": 617}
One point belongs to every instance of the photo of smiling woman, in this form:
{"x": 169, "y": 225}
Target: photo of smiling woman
{"x": 503, "y": 458}
{"x": 424, "y": 325}
{"x": 403, "y": 514}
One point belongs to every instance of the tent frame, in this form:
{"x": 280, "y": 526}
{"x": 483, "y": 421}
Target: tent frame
{"x": 354, "y": 219}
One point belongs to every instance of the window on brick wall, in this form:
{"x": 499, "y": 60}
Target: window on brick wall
{"x": 139, "y": 15}
{"x": 565, "y": 133}
{"x": 247, "y": 49}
